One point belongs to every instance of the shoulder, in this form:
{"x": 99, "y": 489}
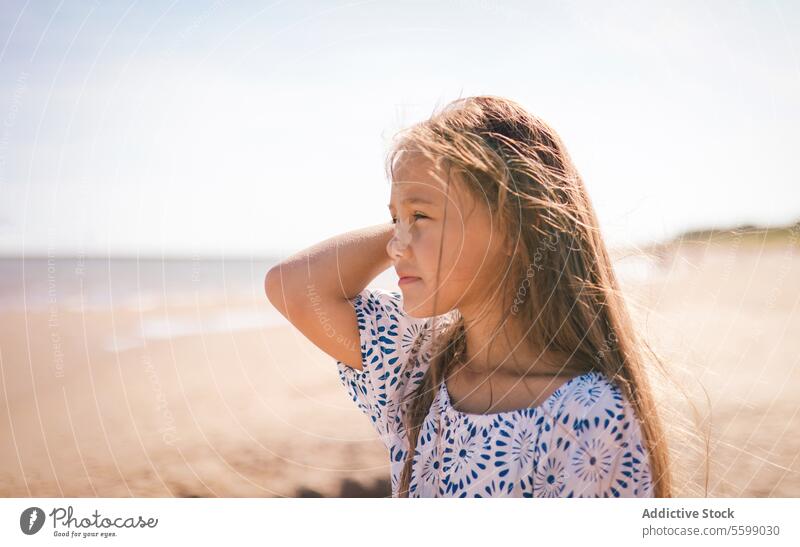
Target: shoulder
{"x": 384, "y": 322}
{"x": 583, "y": 394}
{"x": 592, "y": 401}
{"x": 379, "y": 297}
{"x": 595, "y": 443}
{"x": 395, "y": 354}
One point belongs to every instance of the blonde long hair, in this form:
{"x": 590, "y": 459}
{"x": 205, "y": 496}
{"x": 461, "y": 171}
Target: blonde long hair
{"x": 559, "y": 279}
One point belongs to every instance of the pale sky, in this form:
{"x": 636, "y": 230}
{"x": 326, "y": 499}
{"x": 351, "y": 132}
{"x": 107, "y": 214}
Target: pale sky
{"x": 239, "y": 128}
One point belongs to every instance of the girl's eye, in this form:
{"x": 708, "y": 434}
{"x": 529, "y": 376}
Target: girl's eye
{"x": 417, "y": 216}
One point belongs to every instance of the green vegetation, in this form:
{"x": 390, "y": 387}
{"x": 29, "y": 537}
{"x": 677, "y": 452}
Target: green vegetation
{"x": 745, "y": 234}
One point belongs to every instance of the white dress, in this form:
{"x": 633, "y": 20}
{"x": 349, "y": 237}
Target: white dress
{"x": 583, "y": 441}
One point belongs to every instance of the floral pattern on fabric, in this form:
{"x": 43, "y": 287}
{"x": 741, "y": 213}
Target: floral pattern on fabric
{"x": 583, "y": 441}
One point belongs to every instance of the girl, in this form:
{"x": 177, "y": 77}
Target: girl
{"x": 507, "y": 364}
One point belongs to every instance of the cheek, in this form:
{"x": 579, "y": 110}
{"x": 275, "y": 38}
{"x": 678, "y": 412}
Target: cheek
{"x": 463, "y": 260}
{"x": 458, "y": 263}
{"x": 426, "y": 244}
{"x": 472, "y": 262}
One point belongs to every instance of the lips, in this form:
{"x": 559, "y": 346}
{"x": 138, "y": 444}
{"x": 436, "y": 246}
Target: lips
{"x": 407, "y": 279}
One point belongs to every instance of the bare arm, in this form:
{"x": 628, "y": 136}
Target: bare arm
{"x": 311, "y": 288}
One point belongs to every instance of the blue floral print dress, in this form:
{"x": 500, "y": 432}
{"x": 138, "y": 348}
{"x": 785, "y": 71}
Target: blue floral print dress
{"x": 583, "y": 441}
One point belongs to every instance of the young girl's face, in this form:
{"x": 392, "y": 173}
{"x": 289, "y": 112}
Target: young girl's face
{"x": 473, "y": 251}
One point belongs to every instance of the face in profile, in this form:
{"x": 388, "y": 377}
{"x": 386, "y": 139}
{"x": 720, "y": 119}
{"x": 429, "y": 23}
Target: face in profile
{"x": 429, "y": 217}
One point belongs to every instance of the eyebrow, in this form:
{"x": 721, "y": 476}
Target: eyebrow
{"x": 414, "y": 199}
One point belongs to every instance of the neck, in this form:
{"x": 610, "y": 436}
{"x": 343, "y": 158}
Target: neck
{"x": 511, "y": 351}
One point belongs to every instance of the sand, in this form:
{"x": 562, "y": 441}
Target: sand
{"x": 249, "y": 413}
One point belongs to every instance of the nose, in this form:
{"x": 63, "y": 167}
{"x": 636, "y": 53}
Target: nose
{"x": 400, "y": 240}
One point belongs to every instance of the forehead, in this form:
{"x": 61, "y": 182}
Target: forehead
{"x": 415, "y": 176}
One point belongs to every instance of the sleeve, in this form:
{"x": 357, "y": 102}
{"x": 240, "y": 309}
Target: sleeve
{"x": 593, "y": 447}
{"x": 390, "y": 341}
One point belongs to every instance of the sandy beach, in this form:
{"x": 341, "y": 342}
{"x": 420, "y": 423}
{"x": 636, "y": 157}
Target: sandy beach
{"x": 93, "y": 408}
{"x": 251, "y": 413}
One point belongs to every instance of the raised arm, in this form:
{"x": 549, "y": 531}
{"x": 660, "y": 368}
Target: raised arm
{"x": 311, "y": 288}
